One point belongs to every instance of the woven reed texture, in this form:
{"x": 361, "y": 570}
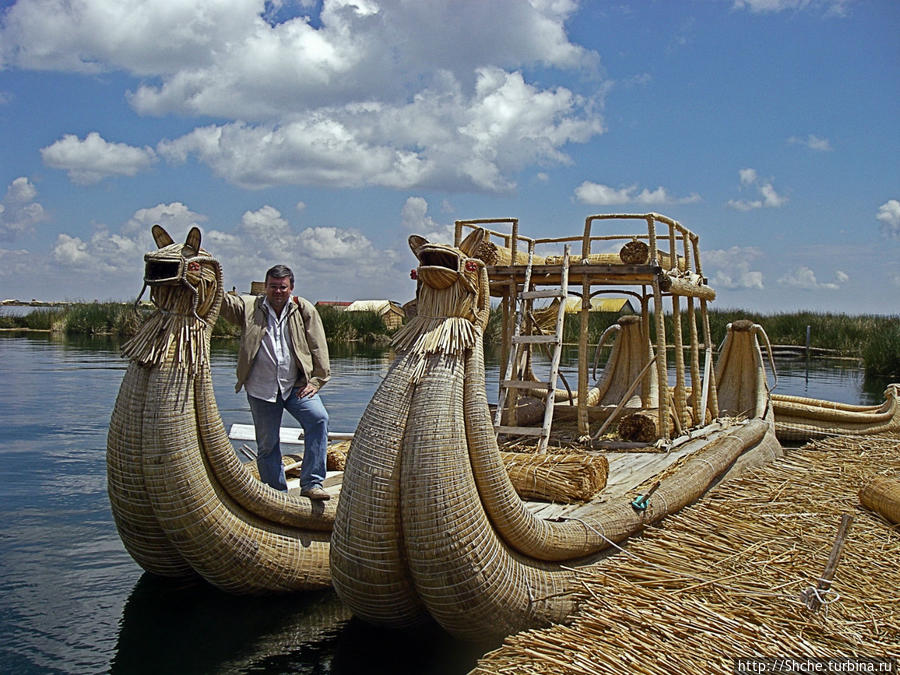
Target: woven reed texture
{"x": 799, "y": 418}
{"x": 740, "y": 374}
{"x": 182, "y": 500}
{"x": 882, "y": 495}
{"x": 627, "y": 359}
{"x": 429, "y": 519}
{"x": 492, "y": 254}
{"x": 722, "y": 579}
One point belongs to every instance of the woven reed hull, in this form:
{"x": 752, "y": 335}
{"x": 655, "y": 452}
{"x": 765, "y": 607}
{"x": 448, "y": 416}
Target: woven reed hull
{"x": 182, "y": 501}
{"x": 800, "y": 419}
{"x": 189, "y": 486}
{"x": 132, "y": 511}
{"x": 740, "y": 374}
{"x": 429, "y": 521}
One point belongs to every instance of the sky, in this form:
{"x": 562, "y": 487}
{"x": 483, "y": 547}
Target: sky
{"x": 321, "y": 134}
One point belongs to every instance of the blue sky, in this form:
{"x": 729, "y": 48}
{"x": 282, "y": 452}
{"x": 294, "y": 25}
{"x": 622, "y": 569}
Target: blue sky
{"x": 322, "y": 134}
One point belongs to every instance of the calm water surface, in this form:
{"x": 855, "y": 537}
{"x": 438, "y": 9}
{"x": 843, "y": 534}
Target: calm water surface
{"x": 73, "y": 601}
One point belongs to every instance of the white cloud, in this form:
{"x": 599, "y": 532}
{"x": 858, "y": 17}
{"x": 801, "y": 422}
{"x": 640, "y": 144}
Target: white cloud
{"x": 416, "y": 220}
{"x": 829, "y": 7}
{"x": 71, "y": 251}
{"x": 329, "y": 243}
{"x": 440, "y": 138}
{"x": 769, "y": 197}
{"x": 396, "y": 94}
{"x": 93, "y": 159}
{"x": 730, "y": 268}
{"x": 803, "y": 277}
{"x": 16, "y": 262}
{"x": 176, "y": 218}
{"x": 604, "y": 195}
{"x": 748, "y": 176}
{"x": 889, "y": 215}
{"x": 19, "y": 212}
{"x": 812, "y": 142}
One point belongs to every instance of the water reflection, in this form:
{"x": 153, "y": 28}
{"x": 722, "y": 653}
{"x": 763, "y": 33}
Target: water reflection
{"x": 73, "y": 601}
{"x": 190, "y": 627}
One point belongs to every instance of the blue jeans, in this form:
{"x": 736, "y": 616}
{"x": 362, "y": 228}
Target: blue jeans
{"x": 311, "y": 413}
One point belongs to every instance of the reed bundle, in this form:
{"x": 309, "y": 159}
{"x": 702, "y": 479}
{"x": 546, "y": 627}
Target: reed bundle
{"x": 882, "y": 494}
{"x": 800, "y": 418}
{"x": 492, "y": 254}
{"x": 722, "y": 580}
{"x": 561, "y": 478}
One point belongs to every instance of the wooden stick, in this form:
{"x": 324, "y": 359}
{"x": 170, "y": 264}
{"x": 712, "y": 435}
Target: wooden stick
{"x": 813, "y": 599}
{"x": 624, "y": 400}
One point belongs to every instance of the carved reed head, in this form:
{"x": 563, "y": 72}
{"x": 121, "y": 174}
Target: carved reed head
{"x": 183, "y": 278}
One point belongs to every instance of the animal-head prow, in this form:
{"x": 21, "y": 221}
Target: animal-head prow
{"x": 451, "y": 283}
{"x": 176, "y": 270}
{"x": 186, "y": 287}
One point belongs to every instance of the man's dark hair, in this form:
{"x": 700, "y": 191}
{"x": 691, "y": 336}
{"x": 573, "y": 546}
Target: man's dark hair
{"x": 280, "y": 272}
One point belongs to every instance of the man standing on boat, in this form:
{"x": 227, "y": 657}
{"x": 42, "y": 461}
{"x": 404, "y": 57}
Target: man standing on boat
{"x": 282, "y": 364}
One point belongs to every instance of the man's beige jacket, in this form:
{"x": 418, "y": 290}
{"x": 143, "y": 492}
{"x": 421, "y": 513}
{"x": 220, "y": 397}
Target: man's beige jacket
{"x": 308, "y": 345}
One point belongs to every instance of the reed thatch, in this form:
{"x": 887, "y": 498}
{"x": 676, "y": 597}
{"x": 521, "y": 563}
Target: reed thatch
{"x": 723, "y": 579}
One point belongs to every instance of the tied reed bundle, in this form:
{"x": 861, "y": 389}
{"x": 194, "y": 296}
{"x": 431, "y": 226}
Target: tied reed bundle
{"x": 562, "y": 478}
{"x": 882, "y": 495}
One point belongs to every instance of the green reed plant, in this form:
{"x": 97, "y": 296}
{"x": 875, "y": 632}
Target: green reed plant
{"x": 98, "y": 318}
{"x": 881, "y": 351}
{"x": 343, "y": 326}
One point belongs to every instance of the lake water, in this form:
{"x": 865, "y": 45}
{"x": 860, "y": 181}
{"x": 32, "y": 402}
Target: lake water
{"x": 73, "y": 601}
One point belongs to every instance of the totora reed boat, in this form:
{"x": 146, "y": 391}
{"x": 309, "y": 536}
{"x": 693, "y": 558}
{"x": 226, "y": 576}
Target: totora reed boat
{"x": 182, "y": 501}
{"x": 429, "y": 523}
{"x": 436, "y": 515}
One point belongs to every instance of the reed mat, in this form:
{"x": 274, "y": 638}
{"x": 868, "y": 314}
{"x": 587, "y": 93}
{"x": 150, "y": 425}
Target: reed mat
{"x": 724, "y": 578}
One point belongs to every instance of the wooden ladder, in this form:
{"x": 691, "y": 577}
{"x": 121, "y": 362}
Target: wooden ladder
{"x": 515, "y": 365}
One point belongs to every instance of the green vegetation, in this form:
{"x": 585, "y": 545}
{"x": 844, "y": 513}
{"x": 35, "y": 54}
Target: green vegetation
{"x": 876, "y": 339}
{"x": 881, "y": 350}
{"x": 122, "y": 320}
{"x": 341, "y": 326}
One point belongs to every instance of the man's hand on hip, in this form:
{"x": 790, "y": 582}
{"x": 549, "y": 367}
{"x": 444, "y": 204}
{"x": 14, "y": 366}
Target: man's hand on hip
{"x": 308, "y": 390}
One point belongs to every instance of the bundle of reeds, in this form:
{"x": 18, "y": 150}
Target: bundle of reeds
{"x": 882, "y": 494}
{"x": 723, "y": 579}
{"x": 492, "y": 254}
{"x": 562, "y": 478}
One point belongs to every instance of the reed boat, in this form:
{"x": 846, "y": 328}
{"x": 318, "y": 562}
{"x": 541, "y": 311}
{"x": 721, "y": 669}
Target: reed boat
{"x": 182, "y": 501}
{"x": 801, "y": 419}
{"x": 429, "y": 523}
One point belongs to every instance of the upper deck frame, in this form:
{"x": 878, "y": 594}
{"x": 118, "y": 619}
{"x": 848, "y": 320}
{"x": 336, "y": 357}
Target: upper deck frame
{"x": 673, "y": 274}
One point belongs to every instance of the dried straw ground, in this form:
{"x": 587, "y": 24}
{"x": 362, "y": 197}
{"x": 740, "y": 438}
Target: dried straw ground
{"x": 723, "y": 578}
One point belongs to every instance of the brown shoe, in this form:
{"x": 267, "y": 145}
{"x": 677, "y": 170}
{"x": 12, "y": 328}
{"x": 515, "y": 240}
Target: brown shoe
{"x": 315, "y": 492}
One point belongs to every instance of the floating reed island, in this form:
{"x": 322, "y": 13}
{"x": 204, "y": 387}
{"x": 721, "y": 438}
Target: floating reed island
{"x": 744, "y": 574}
{"x": 438, "y": 512}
